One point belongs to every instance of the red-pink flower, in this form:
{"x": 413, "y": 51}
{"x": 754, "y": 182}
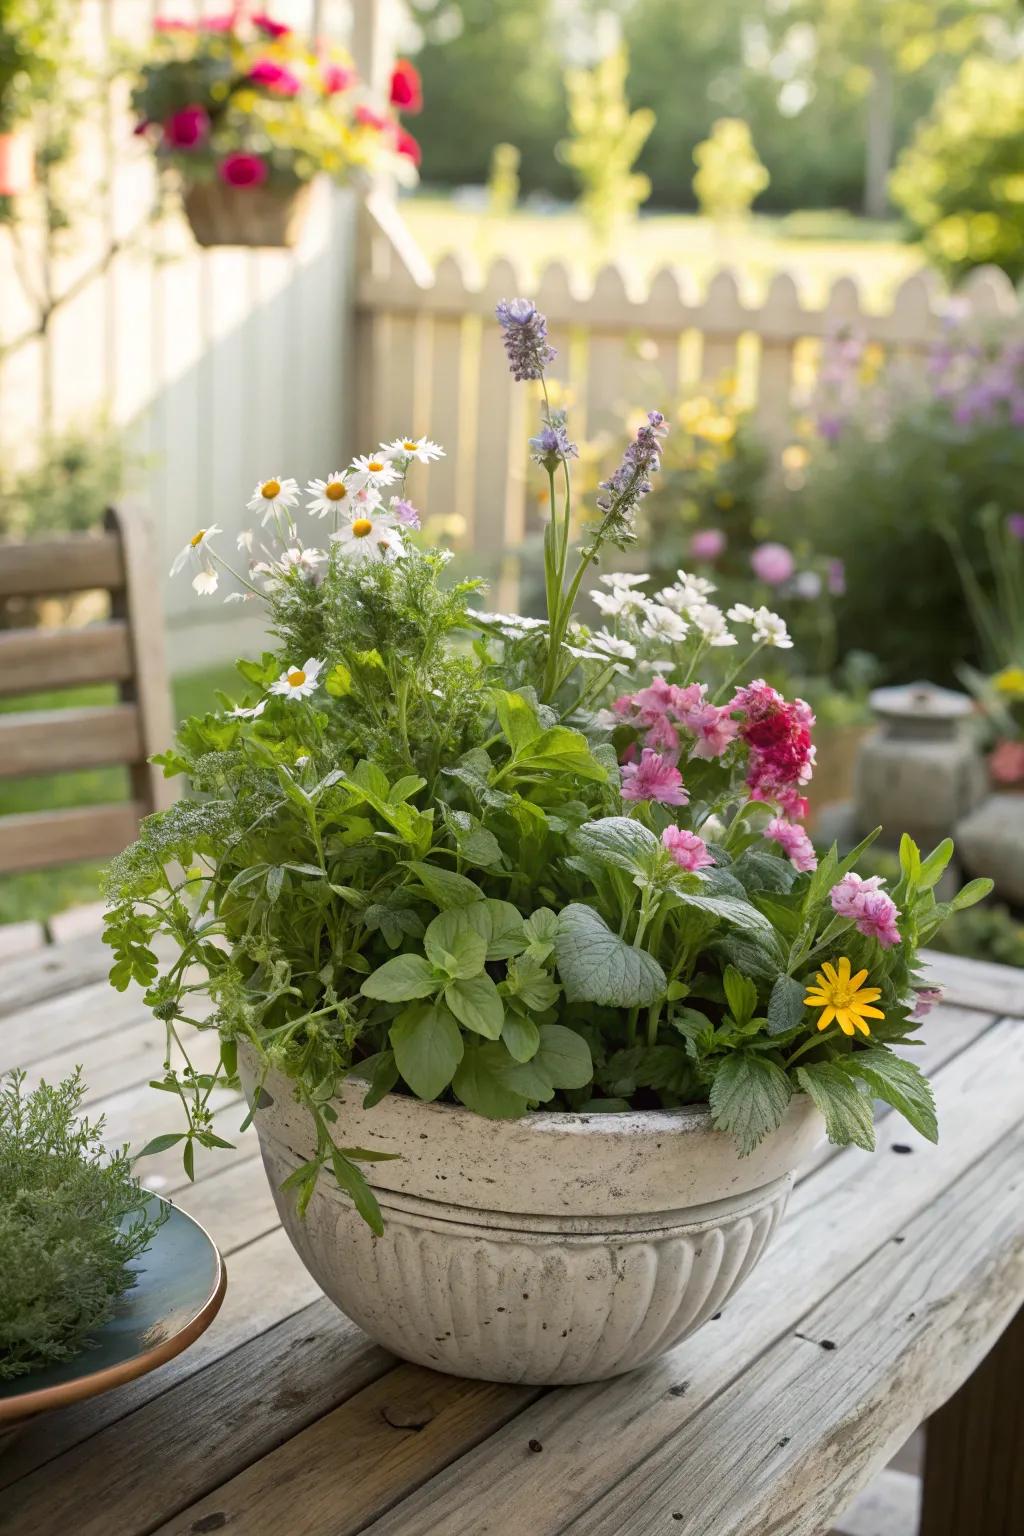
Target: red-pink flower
{"x": 268, "y": 26}
{"x": 653, "y": 778}
{"x": 793, "y": 841}
{"x": 778, "y": 734}
{"x": 242, "y": 170}
{"x": 337, "y": 78}
{"x": 871, "y": 908}
{"x": 687, "y": 849}
{"x": 366, "y": 117}
{"x": 406, "y": 87}
{"x": 187, "y": 128}
{"x": 171, "y": 24}
{"x": 713, "y": 728}
{"x": 275, "y": 77}
{"x": 408, "y": 146}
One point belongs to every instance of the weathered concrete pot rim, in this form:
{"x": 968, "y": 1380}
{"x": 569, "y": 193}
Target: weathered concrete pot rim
{"x": 589, "y": 1165}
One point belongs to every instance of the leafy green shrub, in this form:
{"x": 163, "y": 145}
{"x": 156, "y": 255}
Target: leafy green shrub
{"x": 77, "y": 477}
{"x": 961, "y": 180}
{"x": 729, "y": 172}
{"x": 605, "y": 140}
{"x": 72, "y": 1220}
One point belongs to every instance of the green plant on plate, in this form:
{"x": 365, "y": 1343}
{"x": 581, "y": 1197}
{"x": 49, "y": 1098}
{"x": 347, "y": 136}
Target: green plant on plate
{"x": 510, "y": 862}
{"x": 72, "y": 1220}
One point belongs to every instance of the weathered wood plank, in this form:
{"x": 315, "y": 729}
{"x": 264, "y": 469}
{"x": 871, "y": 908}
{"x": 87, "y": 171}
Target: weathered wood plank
{"x": 34, "y": 660}
{"x": 977, "y": 983}
{"x": 76, "y": 922}
{"x": 890, "y": 1506}
{"x": 141, "y": 606}
{"x": 68, "y": 1022}
{"x": 854, "y": 1206}
{"x": 17, "y": 939}
{"x": 60, "y": 968}
{"x": 789, "y": 1443}
{"x": 57, "y": 740}
{"x": 76, "y": 563}
{"x": 376, "y": 1446}
{"x": 122, "y": 1059}
{"x": 44, "y": 839}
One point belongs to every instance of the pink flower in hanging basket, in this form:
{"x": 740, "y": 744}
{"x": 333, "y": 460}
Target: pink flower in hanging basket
{"x": 406, "y": 89}
{"x": 242, "y": 170}
{"x": 268, "y": 26}
{"x": 408, "y": 146}
{"x": 337, "y": 78}
{"x": 188, "y": 128}
{"x": 366, "y": 117}
{"x": 275, "y": 77}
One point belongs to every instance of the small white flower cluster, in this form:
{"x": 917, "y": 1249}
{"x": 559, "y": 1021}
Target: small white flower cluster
{"x": 681, "y": 611}
{"x": 364, "y": 528}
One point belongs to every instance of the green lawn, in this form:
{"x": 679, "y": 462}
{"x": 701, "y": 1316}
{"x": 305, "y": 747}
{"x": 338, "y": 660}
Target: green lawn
{"x": 814, "y": 247}
{"x": 38, "y": 895}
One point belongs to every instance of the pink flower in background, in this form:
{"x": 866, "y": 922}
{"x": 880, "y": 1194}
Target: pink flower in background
{"x": 241, "y": 170}
{"x": 1006, "y": 762}
{"x": 871, "y": 908}
{"x": 662, "y": 735}
{"x": 792, "y": 803}
{"x": 836, "y": 579}
{"x": 794, "y": 842}
{"x": 707, "y": 544}
{"x": 368, "y": 118}
{"x": 187, "y": 128}
{"x": 927, "y": 998}
{"x": 337, "y": 78}
{"x": 772, "y": 563}
{"x": 1015, "y": 525}
{"x": 687, "y": 849}
{"x": 268, "y": 26}
{"x": 404, "y": 512}
{"x": 653, "y": 778}
{"x": 275, "y": 77}
{"x": 406, "y": 145}
{"x": 714, "y": 729}
{"x": 171, "y": 24}
{"x": 406, "y": 89}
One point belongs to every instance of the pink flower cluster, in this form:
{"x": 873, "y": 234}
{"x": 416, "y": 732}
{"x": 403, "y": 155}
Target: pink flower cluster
{"x": 777, "y": 733}
{"x": 661, "y": 709}
{"x": 871, "y": 908}
{"x": 653, "y": 778}
{"x": 794, "y": 842}
{"x": 688, "y": 850}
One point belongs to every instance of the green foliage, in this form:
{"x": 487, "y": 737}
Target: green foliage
{"x": 729, "y": 171}
{"x": 961, "y": 181}
{"x": 503, "y": 180}
{"x": 77, "y": 477}
{"x": 33, "y": 36}
{"x": 72, "y": 1220}
{"x": 606, "y": 139}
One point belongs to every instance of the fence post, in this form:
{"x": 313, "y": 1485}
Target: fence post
{"x": 373, "y": 42}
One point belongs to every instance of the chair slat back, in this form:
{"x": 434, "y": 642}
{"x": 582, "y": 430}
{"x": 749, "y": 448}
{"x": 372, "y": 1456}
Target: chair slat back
{"x": 127, "y": 649}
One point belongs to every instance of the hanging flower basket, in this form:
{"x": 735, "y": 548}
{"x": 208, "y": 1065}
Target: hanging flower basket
{"x": 17, "y": 163}
{"x": 267, "y": 216}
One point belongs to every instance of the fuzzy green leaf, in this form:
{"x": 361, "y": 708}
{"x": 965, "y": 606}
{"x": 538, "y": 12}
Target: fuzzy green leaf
{"x": 786, "y": 1005}
{"x": 847, "y": 1111}
{"x": 401, "y": 979}
{"x": 620, "y": 841}
{"x": 898, "y": 1082}
{"x": 478, "y": 1083}
{"x": 748, "y": 1098}
{"x": 427, "y": 1044}
{"x": 597, "y": 966}
{"x": 476, "y": 1003}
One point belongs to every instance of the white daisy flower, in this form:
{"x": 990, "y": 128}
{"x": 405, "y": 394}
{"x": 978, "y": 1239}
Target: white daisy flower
{"x": 741, "y": 614}
{"x": 244, "y": 540}
{"x": 614, "y": 645}
{"x": 369, "y": 537}
{"x": 770, "y": 629}
{"x": 711, "y": 623}
{"x": 298, "y": 682}
{"x": 619, "y": 580}
{"x": 308, "y": 561}
{"x": 699, "y": 584}
{"x": 249, "y": 714}
{"x": 197, "y": 554}
{"x": 273, "y": 497}
{"x": 327, "y": 495}
{"x": 518, "y": 623}
{"x": 372, "y": 469}
{"x": 419, "y": 448}
{"x": 662, "y": 624}
{"x": 619, "y": 601}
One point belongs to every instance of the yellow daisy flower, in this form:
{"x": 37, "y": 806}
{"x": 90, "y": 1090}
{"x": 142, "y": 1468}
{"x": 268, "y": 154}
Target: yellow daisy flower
{"x": 844, "y": 998}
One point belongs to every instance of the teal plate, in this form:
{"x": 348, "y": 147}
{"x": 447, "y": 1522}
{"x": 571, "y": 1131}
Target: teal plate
{"x": 180, "y": 1286}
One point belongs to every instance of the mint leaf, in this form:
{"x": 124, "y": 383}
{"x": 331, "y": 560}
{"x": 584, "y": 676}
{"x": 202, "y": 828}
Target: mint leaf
{"x": 565, "y": 1056}
{"x": 847, "y": 1111}
{"x": 501, "y": 926}
{"x": 518, "y": 721}
{"x": 596, "y": 966}
{"x": 479, "y": 1086}
{"x": 786, "y": 1005}
{"x": 528, "y": 980}
{"x": 477, "y": 1004}
{"x": 898, "y": 1082}
{"x": 520, "y": 1036}
{"x": 620, "y": 841}
{"x": 454, "y": 944}
{"x": 428, "y": 1047}
{"x": 400, "y": 979}
{"x": 444, "y": 887}
{"x": 748, "y": 1098}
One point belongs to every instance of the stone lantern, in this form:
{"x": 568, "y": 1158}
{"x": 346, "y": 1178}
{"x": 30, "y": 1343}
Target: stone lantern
{"x": 919, "y": 771}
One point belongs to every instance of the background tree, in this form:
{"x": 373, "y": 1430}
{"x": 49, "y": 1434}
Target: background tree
{"x": 729, "y": 171}
{"x": 605, "y": 140}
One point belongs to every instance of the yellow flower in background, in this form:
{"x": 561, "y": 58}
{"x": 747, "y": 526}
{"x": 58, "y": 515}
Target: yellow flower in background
{"x": 1010, "y": 682}
{"x": 844, "y": 998}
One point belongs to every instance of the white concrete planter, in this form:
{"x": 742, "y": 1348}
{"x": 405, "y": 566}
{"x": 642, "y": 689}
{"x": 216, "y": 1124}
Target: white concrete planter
{"x": 554, "y": 1249}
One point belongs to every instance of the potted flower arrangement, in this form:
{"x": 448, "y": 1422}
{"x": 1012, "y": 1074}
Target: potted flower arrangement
{"x": 248, "y": 116}
{"x": 514, "y": 935}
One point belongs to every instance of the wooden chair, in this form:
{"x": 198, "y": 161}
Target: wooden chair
{"x": 126, "y": 649}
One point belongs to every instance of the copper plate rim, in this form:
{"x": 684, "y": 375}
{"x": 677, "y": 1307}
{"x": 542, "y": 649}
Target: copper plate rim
{"x": 14, "y": 1409}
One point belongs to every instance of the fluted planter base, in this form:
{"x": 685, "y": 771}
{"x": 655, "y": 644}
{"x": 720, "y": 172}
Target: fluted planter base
{"x": 575, "y": 1287}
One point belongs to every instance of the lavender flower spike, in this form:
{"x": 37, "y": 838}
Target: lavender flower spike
{"x": 526, "y": 338}
{"x": 631, "y": 481}
{"x": 551, "y": 446}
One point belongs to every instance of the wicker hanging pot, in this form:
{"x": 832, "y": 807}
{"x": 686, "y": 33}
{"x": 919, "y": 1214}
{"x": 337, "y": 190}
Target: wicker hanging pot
{"x": 17, "y": 163}
{"x": 247, "y": 215}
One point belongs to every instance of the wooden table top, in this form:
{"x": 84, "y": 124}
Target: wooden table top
{"x": 891, "y": 1277}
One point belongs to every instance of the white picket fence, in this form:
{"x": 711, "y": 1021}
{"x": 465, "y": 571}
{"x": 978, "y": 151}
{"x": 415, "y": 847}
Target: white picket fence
{"x": 430, "y": 359}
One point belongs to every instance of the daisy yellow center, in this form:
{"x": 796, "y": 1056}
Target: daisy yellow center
{"x": 361, "y": 527}
{"x": 297, "y": 678}
{"x": 335, "y": 490}
{"x": 198, "y": 538}
{"x": 270, "y": 489}
{"x": 375, "y": 466}
{"x": 411, "y": 446}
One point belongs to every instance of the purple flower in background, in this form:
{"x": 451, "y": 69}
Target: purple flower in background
{"x": 926, "y": 998}
{"x": 551, "y": 446}
{"x": 620, "y": 494}
{"x": 830, "y": 427}
{"x": 404, "y": 512}
{"x": 707, "y": 544}
{"x": 525, "y": 333}
{"x": 1015, "y": 525}
{"x": 772, "y": 563}
{"x": 836, "y": 578}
